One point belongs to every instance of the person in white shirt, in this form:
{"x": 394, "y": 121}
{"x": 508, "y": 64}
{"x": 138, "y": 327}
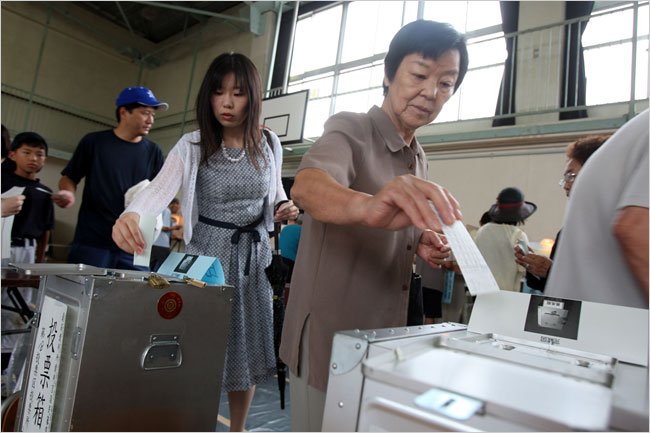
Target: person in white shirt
{"x": 602, "y": 255}
{"x": 497, "y": 238}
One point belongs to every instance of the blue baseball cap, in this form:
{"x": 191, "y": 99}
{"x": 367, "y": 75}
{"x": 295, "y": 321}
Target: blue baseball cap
{"x": 142, "y": 96}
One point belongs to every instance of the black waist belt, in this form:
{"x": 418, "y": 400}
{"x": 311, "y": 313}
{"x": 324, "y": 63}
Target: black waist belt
{"x": 20, "y": 242}
{"x": 250, "y": 228}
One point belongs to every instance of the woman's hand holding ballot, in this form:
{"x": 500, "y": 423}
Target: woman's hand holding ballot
{"x": 404, "y": 201}
{"x": 126, "y": 233}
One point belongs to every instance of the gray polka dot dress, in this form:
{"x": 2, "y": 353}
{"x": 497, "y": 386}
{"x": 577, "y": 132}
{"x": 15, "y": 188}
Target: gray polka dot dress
{"x": 234, "y": 192}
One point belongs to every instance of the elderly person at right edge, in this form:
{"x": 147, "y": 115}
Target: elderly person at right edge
{"x": 363, "y": 188}
{"x": 602, "y": 255}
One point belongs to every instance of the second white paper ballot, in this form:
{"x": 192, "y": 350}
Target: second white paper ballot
{"x": 477, "y": 274}
{"x": 147, "y": 225}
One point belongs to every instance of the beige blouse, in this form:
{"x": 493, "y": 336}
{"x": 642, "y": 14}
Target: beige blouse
{"x": 351, "y": 277}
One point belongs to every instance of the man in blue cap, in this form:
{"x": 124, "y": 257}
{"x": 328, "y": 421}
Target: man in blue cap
{"x": 112, "y": 161}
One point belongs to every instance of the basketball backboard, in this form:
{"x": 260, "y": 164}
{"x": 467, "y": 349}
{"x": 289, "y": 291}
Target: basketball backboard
{"x": 285, "y": 115}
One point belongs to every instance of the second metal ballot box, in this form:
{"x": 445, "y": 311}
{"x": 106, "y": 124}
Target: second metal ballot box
{"x": 523, "y": 363}
{"x": 111, "y": 352}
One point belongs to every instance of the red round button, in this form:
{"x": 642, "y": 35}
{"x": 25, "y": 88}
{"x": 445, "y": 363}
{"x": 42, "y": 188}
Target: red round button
{"x": 170, "y": 305}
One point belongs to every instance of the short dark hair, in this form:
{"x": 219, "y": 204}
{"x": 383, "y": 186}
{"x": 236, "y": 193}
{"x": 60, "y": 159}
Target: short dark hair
{"x": 130, "y": 107}
{"x": 431, "y": 39}
{"x": 581, "y": 149}
{"x": 248, "y": 79}
{"x": 6, "y": 141}
{"x": 485, "y": 218}
{"x": 30, "y": 139}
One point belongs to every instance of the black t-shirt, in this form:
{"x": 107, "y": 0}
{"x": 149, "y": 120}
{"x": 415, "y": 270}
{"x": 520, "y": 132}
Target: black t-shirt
{"x": 111, "y": 166}
{"x": 37, "y": 214}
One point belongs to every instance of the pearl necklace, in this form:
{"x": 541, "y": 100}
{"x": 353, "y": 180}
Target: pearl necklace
{"x": 225, "y": 154}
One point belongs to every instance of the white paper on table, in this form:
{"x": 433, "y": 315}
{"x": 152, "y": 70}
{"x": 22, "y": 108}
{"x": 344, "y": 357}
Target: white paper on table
{"x": 147, "y": 226}
{"x": 477, "y": 274}
{"x": 8, "y": 222}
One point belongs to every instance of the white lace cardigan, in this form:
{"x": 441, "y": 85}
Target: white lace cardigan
{"x": 180, "y": 171}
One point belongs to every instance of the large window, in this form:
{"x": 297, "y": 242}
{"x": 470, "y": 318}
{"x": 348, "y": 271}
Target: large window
{"x": 346, "y": 70}
{"x": 339, "y": 56}
{"x": 607, "y": 41}
{"x": 480, "y": 21}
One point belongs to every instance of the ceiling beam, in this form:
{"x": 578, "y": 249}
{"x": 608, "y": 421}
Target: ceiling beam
{"x": 126, "y": 20}
{"x": 193, "y": 10}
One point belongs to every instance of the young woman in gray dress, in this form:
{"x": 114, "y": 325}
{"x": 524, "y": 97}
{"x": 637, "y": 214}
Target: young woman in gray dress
{"x": 230, "y": 174}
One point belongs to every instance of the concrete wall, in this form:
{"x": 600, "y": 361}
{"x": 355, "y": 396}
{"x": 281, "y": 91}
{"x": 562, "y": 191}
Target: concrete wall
{"x": 76, "y": 67}
{"x": 476, "y": 180}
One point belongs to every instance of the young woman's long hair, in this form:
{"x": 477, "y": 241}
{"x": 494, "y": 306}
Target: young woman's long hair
{"x": 248, "y": 80}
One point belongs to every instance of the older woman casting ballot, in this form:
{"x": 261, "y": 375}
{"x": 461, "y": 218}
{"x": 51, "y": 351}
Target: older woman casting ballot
{"x": 363, "y": 187}
{"x": 231, "y": 179}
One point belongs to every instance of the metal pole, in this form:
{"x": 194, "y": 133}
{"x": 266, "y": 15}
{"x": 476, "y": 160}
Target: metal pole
{"x": 38, "y": 67}
{"x": 189, "y": 86}
{"x": 339, "y": 56}
{"x": 531, "y": 77}
{"x": 278, "y": 20}
{"x": 635, "y": 34}
{"x": 503, "y": 80}
{"x": 549, "y": 56}
{"x": 285, "y": 81}
{"x": 140, "y": 72}
{"x": 513, "y": 65}
{"x": 540, "y": 65}
{"x": 566, "y": 72}
{"x": 578, "y": 51}
{"x": 124, "y": 17}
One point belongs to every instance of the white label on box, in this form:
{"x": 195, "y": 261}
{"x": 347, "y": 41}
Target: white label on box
{"x": 43, "y": 375}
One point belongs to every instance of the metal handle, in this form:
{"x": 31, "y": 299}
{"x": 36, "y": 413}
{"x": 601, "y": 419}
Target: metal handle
{"x": 164, "y": 351}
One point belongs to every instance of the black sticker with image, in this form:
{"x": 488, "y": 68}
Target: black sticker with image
{"x": 553, "y": 316}
{"x": 186, "y": 263}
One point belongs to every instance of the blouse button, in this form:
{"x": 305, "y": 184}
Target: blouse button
{"x": 408, "y": 248}
{"x": 411, "y": 166}
{"x": 405, "y": 287}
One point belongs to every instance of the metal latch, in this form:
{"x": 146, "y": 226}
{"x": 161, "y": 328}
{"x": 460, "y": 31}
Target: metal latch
{"x": 75, "y": 347}
{"x": 164, "y": 351}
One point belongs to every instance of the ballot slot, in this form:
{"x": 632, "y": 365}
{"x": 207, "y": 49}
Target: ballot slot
{"x": 595, "y": 368}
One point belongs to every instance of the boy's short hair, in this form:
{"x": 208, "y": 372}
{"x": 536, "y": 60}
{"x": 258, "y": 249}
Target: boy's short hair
{"x": 29, "y": 138}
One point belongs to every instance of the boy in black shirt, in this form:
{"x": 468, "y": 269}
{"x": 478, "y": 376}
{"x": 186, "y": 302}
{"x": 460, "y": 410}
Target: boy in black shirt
{"x": 30, "y": 232}
{"x": 32, "y": 225}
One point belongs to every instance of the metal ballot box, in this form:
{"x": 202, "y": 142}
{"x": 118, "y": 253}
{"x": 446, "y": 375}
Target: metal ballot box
{"x": 523, "y": 363}
{"x": 112, "y": 353}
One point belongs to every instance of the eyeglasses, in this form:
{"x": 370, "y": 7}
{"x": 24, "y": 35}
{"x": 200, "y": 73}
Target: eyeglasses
{"x": 568, "y": 178}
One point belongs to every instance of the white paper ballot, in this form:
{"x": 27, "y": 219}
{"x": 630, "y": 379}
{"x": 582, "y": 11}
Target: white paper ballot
{"x": 477, "y": 274}
{"x": 8, "y": 222}
{"x": 147, "y": 226}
